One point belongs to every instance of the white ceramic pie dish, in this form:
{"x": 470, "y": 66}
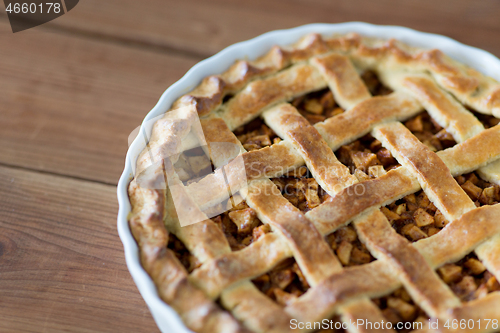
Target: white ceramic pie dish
{"x": 165, "y": 317}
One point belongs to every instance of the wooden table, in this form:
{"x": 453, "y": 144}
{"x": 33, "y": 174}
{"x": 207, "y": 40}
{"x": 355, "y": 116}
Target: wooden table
{"x": 72, "y": 90}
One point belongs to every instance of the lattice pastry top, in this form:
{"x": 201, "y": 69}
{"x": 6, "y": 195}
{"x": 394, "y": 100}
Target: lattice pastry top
{"x": 363, "y": 184}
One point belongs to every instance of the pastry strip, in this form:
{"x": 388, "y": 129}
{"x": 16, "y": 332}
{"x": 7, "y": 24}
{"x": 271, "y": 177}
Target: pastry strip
{"x": 342, "y": 78}
{"x": 360, "y": 120}
{"x": 473, "y": 229}
{"x": 419, "y": 278}
{"x": 247, "y": 304}
{"x": 290, "y": 125}
{"x": 481, "y": 150}
{"x": 432, "y": 173}
{"x": 443, "y": 108}
{"x": 310, "y": 250}
{"x": 250, "y": 102}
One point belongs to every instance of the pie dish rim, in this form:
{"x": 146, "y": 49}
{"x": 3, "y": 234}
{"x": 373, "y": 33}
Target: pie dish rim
{"x": 166, "y": 318}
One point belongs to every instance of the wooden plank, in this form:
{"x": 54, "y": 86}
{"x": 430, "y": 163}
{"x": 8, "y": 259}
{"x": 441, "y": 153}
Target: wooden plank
{"x": 205, "y": 27}
{"x": 61, "y": 262}
{"x": 68, "y": 103}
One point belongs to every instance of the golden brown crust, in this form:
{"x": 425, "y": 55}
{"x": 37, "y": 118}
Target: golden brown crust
{"x": 360, "y": 120}
{"x": 309, "y": 248}
{"x": 450, "y": 114}
{"x": 370, "y": 280}
{"x": 246, "y": 105}
{"x": 208, "y": 95}
{"x": 489, "y": 254}
{"x": 473, "y": 228}
{"x": 197, "y": 311}
{"x": 146, "y": 222}
{"x": 491, "y": 172}
{"x": 427, "y": 78}
{"x": 216, "y": 135}
{"x": 468, "y": 85}
{"x": 256, "y": 310}
{"x": 354, "y": 200}
{"x": 419, "y": 278}
{"x": 343, "y": 79}
{"x": 166, "y": 137}
{"x": 366, "y": 311}
{"x": 203, "y": 239}
{"x": 271, "y": 161}
{"x": 432, "y": 173}
{"x": 258, "y": 258}
{"x": 467, "y": 156}
{"x": 485, "y": 310}
{"x": 289, "y": 124}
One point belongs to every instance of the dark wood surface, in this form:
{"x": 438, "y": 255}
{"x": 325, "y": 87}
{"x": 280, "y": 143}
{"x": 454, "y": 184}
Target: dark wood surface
{"x": 72, "y": 90}
{"x": 61, "y": 262}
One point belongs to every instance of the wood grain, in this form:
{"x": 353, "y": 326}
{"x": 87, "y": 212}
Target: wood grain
{"x": 68, "y": 103}
{"x": 205, "y": 27}
{"x": 61, "y": 262}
